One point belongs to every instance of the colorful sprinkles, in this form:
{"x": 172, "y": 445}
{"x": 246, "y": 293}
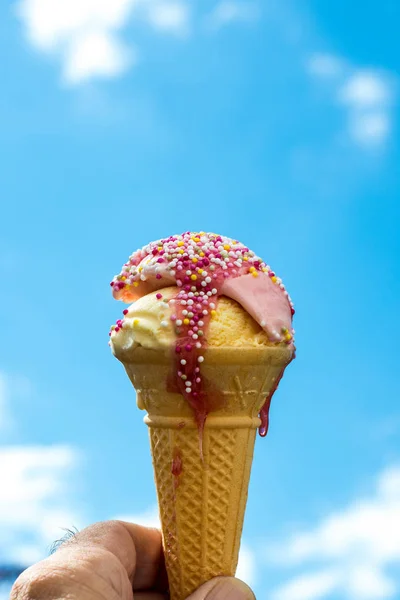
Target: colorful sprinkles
{"x": 198, "y": 264}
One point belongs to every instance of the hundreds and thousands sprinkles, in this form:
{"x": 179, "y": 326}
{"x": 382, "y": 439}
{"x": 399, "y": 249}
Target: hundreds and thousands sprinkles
{"x": 200, "y": 265}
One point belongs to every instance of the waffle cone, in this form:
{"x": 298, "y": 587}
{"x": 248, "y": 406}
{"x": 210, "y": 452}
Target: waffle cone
{"x": 202, "y": 495}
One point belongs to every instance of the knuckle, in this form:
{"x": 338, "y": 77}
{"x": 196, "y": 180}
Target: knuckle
{"x": 41, "y": 582}
{"x": 32, "y": 583}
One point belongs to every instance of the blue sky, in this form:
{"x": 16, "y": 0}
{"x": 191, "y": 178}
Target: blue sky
{"x": 274, "y": 123}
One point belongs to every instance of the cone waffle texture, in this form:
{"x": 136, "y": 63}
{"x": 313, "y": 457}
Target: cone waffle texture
{"x": 202, "y": 508}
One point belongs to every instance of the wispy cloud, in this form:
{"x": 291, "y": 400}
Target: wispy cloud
{"x": 87, "y": 35}
{"x": 231, "y": 11}
{"x": 366, "y": 94}
{"x": 35, "y": 503}
{"x": 4, "y": 414}
{"x": 247, "y": 561}
{"x": 13, "y": 387}
{"x": 325, "y": 65}
{"x": 354, "y": 547}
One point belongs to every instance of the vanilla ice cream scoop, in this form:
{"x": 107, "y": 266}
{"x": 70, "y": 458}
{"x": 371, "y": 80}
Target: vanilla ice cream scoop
{"x": 147, "y": 323}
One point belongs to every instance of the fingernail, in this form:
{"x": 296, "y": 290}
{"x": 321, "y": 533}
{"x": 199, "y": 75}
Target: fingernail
{"x": 223, "y": 588}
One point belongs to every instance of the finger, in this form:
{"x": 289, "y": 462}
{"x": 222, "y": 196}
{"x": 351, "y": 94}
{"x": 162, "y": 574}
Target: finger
{"x": 99, "y": 562}
{"x": 223, "y": 588}
{"x": 139, "y": 549}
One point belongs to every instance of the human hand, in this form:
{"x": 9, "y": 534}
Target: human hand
{"x": 113, "y": 560}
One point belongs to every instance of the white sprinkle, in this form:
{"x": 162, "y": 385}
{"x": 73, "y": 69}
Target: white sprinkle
{"x": 263, "y": 323}
{"x": 198, "y": 345}
{"x": 179, "y": 322}
{"x": 200, "y": 359}
{"x": 184, "y": 312}
{"x": 164, "y": 324}
{"x": 212, "y": 305}
{"x": 214, "y": 291}
{"x": 205, "y": 312}
{"x": 195, "y": 336}
{"x": 203, "y": 283}
{"x": 183, "y": 361}
{"x": 200, "y": 323}
{"x": 188, "y": 383}
{"x": 188, "y": 272}
{"x": 172, "y": 301}
{"x": 208, "y": 280}
{"x": 190, "y": 302}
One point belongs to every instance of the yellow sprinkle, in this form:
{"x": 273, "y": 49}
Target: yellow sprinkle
{"x": 196, "y": 240}
{"x": 288, "y": 337}
{"x": 245, "y": 258}
{"x": 213, "y": 313}
{"x": 140, "y": 269}
{"x": 159, "y": 248}
{"x": 123, "y": 278}
{"x": 284, "y": 330}
{"x": 180, "y": 243}
{"x": 274, "y": 279}
{"x": 264, "y": 269}
{"x": 193, "y": 277}
{"x": 180, "y": 251}
{"x": 136, "y": 283}
{"x": 202, "y": 254}
{"x": 186, "y": 321}
{"x": 135, "y": 322}
{"x": 194, "y": 259}
{"x": 255, "y": 274}
{"x": 252, "y": 269}
{"x": 200, "y": 270}
{"x": 227, "y": 247}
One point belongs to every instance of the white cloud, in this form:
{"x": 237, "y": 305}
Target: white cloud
{"x": 366, "y": 94}
{"x": 311, "y": 586}
{"x": 356, "y": 546}
{"x": 86, "y": 35}
{"x": 370, "y": 128}
{"x": 169, "y": 16}
{"x": 95, "y": 53}
{"x": 246, "y": 570}
{"x": 34, "y": 502}
{"x": 365, "y": 89}
{"x": 230, "y": 11}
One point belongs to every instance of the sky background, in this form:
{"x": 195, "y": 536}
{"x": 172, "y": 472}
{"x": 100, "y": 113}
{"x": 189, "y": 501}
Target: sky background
{"x": 272, "y": 122}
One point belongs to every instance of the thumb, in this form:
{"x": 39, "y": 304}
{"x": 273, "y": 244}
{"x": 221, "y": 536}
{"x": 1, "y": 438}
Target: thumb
{"x": 223, "y": 588}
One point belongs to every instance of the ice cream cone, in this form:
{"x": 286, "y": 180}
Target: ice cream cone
{"x": 202, "y": 492}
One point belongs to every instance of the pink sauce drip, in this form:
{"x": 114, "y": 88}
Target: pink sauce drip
{"x": 264, "y": 412}
{"x": 203, "y": 267}
{"x": 176, "y": 467}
